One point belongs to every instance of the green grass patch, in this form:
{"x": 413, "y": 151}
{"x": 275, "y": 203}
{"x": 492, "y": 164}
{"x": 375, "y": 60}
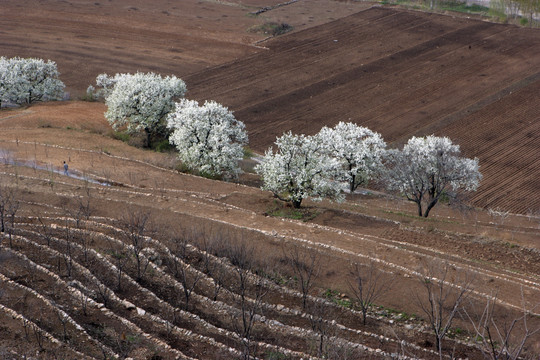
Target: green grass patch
{"x": 162, "y": 146}
{"x": 288, "y": 212}
{"x": 335, "y": 297}
{"x": 248, "y": 153}
{"x": 271, "y": 28}
{"x": 121, "y": 135}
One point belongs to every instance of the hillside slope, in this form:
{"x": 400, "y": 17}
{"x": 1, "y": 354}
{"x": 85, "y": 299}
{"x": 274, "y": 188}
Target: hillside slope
{"x": 70, "y": 284}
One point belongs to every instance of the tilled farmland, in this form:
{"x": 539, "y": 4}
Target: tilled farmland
{"x": 400, "y": 73}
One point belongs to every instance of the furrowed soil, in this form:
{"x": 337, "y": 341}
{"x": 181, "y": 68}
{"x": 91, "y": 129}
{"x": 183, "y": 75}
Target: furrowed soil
{"x": 400, "y": 73}
{"x": 70, "y": 282}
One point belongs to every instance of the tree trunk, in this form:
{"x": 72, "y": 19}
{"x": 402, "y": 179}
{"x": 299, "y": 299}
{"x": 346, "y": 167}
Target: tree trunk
{"x": 364, "y": 314}
{"x": 296, "y": 203}
{"x": 430, "y": 206}
{"x": 147, "y": 141}
{"x": 352, "y": 187}
{"x": 419, "y": 203}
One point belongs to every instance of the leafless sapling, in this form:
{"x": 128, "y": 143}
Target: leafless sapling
{"x": 319, "y": 323}
{"x": 445, "y": 289}
{"x": 62, "y": 317}
{"x": 305, "y": 264}
{"x": 179, "y": 265}
{"x": 67, "y": 255}
{"x": 504, "y": 336}
{"x": 84, "y": 205}
{"x": 251, "y": 292}
{"x": 121, "y": 258}
{"x": 136, "y": 225}
{"x": 368, "y": 285}
{"x": 46, "y": 230}
{"x": 39, "y": 335}
{"x": 104, "y": 294}
{"x": 213, "y": 245}
{"x": 8, "y": 209}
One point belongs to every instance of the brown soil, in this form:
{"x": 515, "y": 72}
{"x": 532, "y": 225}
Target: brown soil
{"x": 400, "y": 73}
{"x": 501, "y": 257}
{"x": 87, "y": 38}
{"x": 412, "y": 70}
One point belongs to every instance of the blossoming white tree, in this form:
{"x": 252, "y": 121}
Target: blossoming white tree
{"x": 358, "y": 150}
{"x": 429, "y": 167}
{"x": 26, "y": 81}
{"x": 208, "y": 137}
{"x": 140, "y": 101}
{"x": 299, "y": 169}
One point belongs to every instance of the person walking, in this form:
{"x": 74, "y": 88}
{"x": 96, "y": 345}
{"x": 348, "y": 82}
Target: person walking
{"x": 65, "y": 168}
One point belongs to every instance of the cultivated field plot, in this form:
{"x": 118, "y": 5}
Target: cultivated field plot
{"x": 87, "y": 38}
{"x": 400, "y": 73}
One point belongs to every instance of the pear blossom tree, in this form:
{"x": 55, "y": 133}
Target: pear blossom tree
{"x": 299, "y": 169}
{"x": 26, "y": 81}
{"x": 428, "y": 167}
{"x": 140, "y": 102}
{"x": 208, "y": 137}
{"x": 358, "y": 150}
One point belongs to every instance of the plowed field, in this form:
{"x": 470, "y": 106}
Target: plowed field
{"x": 400, "y": 73}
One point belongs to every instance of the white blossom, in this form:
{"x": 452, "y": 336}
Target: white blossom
{"x": 140, "y": 101}
{"x": 429, "y": 167}
{"x": 299, "y": 170}
{"x": 25, "y": 81}
{"x": 358, "y": 150}
{"x": 208, "y": 137}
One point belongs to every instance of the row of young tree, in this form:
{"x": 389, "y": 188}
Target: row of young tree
{"x": 210, "y": 140}
{"x": 426, "y": 169}
{"x": 445, "y": 294}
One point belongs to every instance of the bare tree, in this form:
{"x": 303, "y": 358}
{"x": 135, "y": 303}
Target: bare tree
{"x": 62, "y": 317}
{"x": 250, "y": 292}
{"x": 178, "y": 264}
{"x": 319, "y": 324}
{"x": 104, "y": 294}
{"x": 501, "y": 337}
{"x": 39, "y": 335}
{"x": 11, "y": 212}
{"x": 8, "y": 208}
{"x": 67, "y": 254}
{"x": 83, "y": 208}
{"x": 209, "y": 246}
{"x": 369, "y": 285}
{"x": 136, "y": 224}
{"x": 498, "y": 215}
{"x": 445, "y": 289}
{"x": 46, "y": 230}
{"x": 121, "y": 258}
{"x": 84, "y": 303}
{"x": 306, "y": 266}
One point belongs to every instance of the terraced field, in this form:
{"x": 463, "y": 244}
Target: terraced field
{"x": 76, "y": 285}
{"x": 400, "y": 73}
{"x": 98, "y": 264}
